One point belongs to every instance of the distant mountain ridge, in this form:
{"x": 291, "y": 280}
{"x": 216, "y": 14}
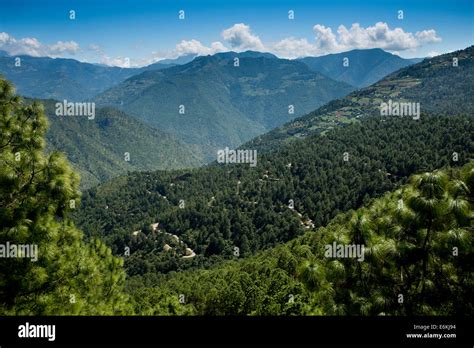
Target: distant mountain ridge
{"x": 437, "y": 85}
{"x": 359, "y": 68}
{"x": 223, "y": 101}
{"x": 60, "y": 78}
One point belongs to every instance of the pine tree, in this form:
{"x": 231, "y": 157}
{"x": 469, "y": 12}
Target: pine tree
{"x": 37, "y": 190}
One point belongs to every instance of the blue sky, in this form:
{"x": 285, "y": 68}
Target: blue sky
{"x": 138, "y": 32}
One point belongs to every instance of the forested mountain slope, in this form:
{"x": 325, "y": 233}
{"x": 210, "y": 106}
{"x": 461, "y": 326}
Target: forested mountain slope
{"x": 417, "y": 260}
{"x": 97, "y": 147}
{"x": 218, "y": 101}
{"x": 217, "y": 208}
{"x": 437, "y": 85}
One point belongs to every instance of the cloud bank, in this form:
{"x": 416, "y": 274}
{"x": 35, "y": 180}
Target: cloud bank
{"x": 240, "y": 37}
{"x": 32, "y": 47}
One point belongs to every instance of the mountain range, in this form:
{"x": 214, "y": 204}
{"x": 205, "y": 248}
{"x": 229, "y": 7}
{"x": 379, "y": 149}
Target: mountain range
{"x": 326, "y": 169}
{"x": 359, "y": 68}
{"x": 224, "y": 105}
{"x": 217, "y": 101}
{"x": 59, "y": 78}
{"x": 437, "y": 84}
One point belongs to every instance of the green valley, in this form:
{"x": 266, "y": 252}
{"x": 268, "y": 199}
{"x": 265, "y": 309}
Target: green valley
{"x": 97, "y": 147}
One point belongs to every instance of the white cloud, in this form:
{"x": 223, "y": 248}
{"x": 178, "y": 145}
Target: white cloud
{"x": 325, "y": 39}
{"x": 377, "y": 36}
{"x": 121, "y": 62}
{"x": 356, "y": 37}
{"x": 186, "y": 47}
{"x": 241, "y": 38}
{"x": 32, "y": 47}
{"x": 427, "y": 36}
{"x": 293, "y": 48}
{"x": 380, "y": 35}
{"x": 61, "y": 47}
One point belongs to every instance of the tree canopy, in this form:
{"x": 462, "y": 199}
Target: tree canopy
{"x": 37, "y": 191}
